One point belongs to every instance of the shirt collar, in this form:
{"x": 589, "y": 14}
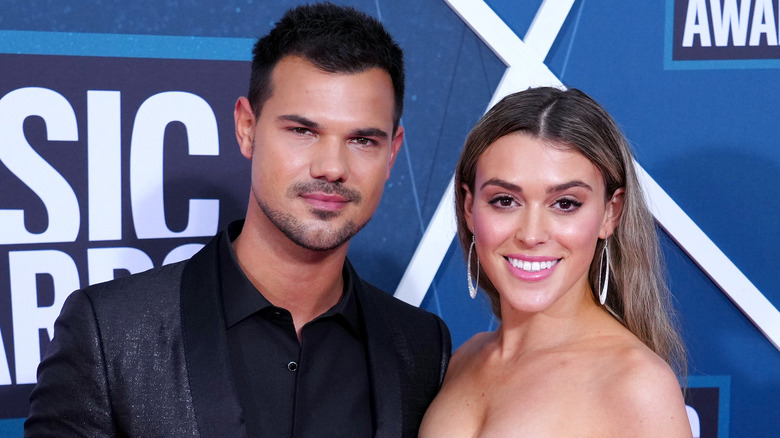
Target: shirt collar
{"x": 240, "y": 298}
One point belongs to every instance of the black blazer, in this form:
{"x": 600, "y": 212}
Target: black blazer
{"x": 146, "y": 355}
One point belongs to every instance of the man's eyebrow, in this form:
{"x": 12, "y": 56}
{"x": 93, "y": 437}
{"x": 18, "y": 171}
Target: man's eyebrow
{"x": 361, "y": 132}
{"x": 551, "y": 189}
{"x": 300, "y": 120}
{"x": 370, "y": 132}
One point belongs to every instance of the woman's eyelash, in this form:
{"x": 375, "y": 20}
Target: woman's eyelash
{"x": 568, "y": 204}
{"x": 564, "y": 204}
{"x": 502, "y": 200}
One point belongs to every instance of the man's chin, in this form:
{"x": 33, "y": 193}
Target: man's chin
{"x": 315, "y": 239}
{"x": 320, "y": 230}
{"x": 320, "y": 244}
{"x": 325, "y": 215}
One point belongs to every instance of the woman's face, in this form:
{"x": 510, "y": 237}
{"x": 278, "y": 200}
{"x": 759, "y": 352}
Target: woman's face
{"x": 537, "y": 212}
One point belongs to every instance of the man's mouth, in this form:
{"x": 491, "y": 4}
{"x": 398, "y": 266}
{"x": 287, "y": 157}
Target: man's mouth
{"x": 324, "y": 201}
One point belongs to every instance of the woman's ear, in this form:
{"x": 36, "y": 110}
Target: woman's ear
{"x": 468, "y": 206}
{"x": 612, "y": 213}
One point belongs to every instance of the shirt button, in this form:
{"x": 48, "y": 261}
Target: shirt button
{"x": 292, "y": 366}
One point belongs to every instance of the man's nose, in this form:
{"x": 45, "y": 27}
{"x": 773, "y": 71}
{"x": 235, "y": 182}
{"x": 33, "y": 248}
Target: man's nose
{"x": 329, "y": 160}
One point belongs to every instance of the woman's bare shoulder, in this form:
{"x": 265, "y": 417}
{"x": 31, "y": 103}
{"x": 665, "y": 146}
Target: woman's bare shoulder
{"x": 643, "y": 392}
{"x": 457, "y": 410}
{"x": 470, "y": 350}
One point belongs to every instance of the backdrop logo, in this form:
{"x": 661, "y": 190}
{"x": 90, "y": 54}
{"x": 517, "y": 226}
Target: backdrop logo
{"x": 723, "y": 33}
{"x": 104, "y": 175}
{"x": 708, "y": 400}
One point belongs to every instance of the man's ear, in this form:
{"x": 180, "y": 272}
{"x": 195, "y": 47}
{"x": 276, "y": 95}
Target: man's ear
{"x": 612, "y": 213}
{"x": 468, "y": 207}
{"x": 395, "y": 146}
{"x": 244, "y": 119}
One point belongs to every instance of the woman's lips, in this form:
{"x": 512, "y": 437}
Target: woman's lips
{"x": 532, "y": 268}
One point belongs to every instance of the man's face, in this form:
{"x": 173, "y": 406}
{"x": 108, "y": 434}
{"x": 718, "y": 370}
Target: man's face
{"x": 321, "y": 151}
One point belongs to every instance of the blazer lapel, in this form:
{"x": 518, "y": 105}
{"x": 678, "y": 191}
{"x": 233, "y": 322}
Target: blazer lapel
{"x": 383, "y": 363}
{"x": 215, "y": 402}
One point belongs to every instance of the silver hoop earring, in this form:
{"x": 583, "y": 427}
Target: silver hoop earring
{"x": 472, "y": 286}
{"x": 605, "y": 286}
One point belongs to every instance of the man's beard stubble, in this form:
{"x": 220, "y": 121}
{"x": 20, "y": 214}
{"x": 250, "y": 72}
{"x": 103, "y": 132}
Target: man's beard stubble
{"x": 298, "y": 232}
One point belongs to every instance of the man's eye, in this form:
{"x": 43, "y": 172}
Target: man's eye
{"x": 363, "y": 141}
{"x": 300, "y": 130}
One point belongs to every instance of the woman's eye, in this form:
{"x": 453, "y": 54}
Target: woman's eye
{"x": 502, "y": 201}
{"x": 568, "y": 204}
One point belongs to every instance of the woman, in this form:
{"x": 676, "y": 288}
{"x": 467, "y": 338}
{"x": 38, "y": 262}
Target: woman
{"x": 553, "y": 219}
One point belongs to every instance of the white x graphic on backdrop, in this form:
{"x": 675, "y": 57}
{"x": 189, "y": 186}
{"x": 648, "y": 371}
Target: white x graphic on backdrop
{"x": 525, "y": 68}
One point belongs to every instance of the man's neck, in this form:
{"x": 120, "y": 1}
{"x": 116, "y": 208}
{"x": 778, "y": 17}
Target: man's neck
{"x": 305, "y": 282}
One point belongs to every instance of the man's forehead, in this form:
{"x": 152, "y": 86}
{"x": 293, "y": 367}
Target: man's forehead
{"x": 300, "y": 90}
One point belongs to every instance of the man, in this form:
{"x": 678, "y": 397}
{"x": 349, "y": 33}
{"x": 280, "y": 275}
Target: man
{"x": 267, "y": 331}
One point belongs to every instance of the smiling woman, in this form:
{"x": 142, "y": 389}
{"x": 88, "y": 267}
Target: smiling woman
{"x": 551, "y": 211}
{"x": 537, "y": 205}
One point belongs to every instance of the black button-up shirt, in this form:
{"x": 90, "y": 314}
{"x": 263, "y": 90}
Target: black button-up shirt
{"x": 318, "y": 387}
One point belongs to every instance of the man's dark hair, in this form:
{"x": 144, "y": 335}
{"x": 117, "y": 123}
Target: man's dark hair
{"x": 336, "y": 39}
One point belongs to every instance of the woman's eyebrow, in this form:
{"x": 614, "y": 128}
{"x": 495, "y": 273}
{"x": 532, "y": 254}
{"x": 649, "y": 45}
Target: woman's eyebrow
{"x": 568, "y": 185}
{"x": 501, "y": 183}
{"x": 551, "y": 189}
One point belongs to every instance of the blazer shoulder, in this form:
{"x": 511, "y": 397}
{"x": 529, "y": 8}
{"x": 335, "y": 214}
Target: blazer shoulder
{"x": 155, "y": 280}
{"x": 160, "y": 283}
{"x": 399, "y": 309}
{"x": 404, "y": 320}
{"x": 128, "y": 308}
